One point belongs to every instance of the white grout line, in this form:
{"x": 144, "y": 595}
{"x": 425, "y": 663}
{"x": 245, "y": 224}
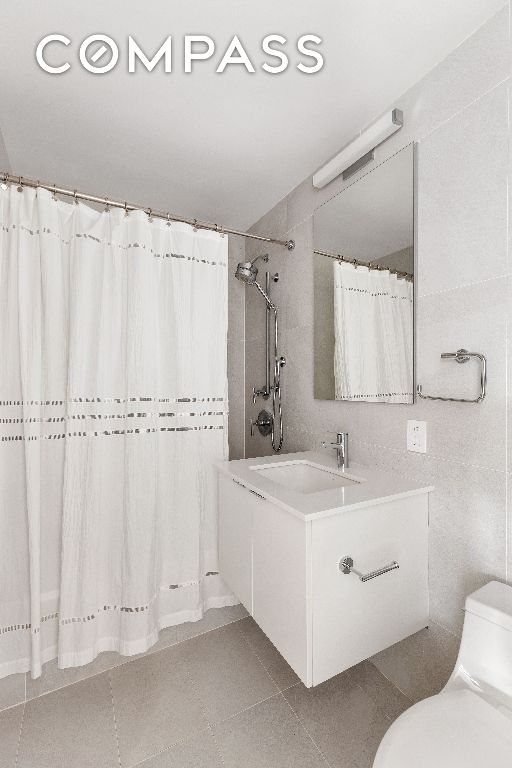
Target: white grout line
{"x": 427, "y": 456}
{"x": 464, "y": 108}
{"x": 18, "y": 746}
{"x": 299, "y": 720}
{"x": 180, "y": 742}
{"x": 114, "y": 717}
{"x": 391, "y": 682}
{"x": 281, "y": 693}
{"x": 255, "y": 652}
{"x": 217, "y": 747}
{"x": 465, "y": 286}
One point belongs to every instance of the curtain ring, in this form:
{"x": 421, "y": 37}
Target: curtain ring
{"x": 20, "y": 185}
{"x": 75, "y": 197}
{"x": 222, "y": 231}
{"x": 195, "y": 225}
{"x": 168, "y": 219}
{"x": 54, "y": 192}
{"x": 126, "y": 211}
{"x": 107, "y": 206}
{"x": 150, "y": 214}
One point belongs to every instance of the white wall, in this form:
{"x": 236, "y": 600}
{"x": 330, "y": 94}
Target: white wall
{"x": 459, "y": 116}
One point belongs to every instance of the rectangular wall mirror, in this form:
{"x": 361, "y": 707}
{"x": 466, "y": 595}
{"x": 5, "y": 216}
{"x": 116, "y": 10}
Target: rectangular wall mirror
{"x": 364, "y": 287}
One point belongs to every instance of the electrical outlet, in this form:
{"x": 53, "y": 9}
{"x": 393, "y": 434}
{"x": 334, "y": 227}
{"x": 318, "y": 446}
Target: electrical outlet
{"x": 417, "y": 436}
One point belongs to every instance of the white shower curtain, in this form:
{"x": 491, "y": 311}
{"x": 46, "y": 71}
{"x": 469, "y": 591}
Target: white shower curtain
{"x": 112, "y": 413}
{"x": 373, "y": 330}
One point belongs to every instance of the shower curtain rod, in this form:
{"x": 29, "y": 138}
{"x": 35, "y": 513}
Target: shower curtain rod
{"x": 368, "y": 265}
{"x": 21, "y": 181}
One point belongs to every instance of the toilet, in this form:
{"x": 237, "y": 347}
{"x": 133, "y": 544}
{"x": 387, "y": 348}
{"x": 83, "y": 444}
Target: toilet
{"x": 468, "y": 724}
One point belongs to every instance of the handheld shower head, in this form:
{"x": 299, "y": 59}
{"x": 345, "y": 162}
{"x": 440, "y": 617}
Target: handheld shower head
{"x": 247, "y": 272}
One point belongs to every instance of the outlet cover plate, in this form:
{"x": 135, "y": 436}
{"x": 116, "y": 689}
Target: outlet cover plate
{"x": 417, "y": 436}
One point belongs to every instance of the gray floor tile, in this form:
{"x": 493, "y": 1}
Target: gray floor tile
{"x": 228, "y": 675}
{"x": 267, "y": 735}
{"x": 342, "y": 719}
{"x": 10, "y": 724}
{"x": 12, "y": 691}
{"x": 278, "y": 669}
{"x": 214, "y": 618}
{"x": 421, "y": 664}
{"x": 156, "y": 705}
{"x": 166, "y": 638}
{"x": 380, "y": 689}
{"x": 71, "y": 727}
{"x": 53, "y": 678}
{"x": 199, "y": 752}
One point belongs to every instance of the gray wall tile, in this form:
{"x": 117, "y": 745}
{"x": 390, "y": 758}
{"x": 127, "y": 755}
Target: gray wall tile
{"x": 236, "y": 351}
{"x": 462, "y": 197}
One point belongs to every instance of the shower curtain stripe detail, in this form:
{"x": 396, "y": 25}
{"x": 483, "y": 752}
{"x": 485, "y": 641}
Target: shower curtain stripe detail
{"x": 132, "y": 311}
{"x": 123, "y": 608}
{"x": 115, "y": 400}
{"x": 106, "y": 433}
{"x": 125, "y": 247}
{"x": 81, "y": 416}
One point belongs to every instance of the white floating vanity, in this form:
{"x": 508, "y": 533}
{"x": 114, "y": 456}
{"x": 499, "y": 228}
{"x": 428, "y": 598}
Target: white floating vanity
{"x": 332, "y": 564}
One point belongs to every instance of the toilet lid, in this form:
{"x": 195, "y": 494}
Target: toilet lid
{"x": 458, "y": 729}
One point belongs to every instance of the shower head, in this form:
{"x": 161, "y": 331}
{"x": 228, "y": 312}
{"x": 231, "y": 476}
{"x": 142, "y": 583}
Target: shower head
{"x": 247, "y": 272}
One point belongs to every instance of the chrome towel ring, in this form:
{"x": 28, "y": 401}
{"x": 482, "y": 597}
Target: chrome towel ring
{"x": 462, "y": 356}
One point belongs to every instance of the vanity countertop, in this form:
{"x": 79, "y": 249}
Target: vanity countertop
{"x": 368, "y": 487}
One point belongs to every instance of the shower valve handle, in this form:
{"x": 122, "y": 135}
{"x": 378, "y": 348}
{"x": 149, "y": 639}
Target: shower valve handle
{"x": 263, "y": 423}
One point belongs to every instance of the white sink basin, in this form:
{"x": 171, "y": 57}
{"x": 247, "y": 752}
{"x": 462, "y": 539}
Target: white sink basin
{"x": 304, "y": 476}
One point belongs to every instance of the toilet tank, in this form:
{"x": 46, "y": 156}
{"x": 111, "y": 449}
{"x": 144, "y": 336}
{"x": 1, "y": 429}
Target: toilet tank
{"x": 485, "y": 656}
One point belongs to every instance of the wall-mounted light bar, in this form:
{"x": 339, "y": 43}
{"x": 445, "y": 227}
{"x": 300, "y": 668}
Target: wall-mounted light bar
{"x": 378, "y": 132}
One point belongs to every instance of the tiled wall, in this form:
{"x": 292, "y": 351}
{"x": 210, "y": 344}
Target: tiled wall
{"x": 4, "y": 160}
{"x": 236, "y": 351}
{"x": 458, "y": 114}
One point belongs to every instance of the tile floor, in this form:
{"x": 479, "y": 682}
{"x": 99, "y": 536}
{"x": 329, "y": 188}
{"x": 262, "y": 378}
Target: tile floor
{"x": 224, "y": 698}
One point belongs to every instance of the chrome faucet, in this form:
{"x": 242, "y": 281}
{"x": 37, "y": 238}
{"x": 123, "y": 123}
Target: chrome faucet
{"x": 341, "y": 448}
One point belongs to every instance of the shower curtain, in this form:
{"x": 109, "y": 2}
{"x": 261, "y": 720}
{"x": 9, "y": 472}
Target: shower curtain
{"x": 113, "y": 411}
{"x": 373, "y": 330}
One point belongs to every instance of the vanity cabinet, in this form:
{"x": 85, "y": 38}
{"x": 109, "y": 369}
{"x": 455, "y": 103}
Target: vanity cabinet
{"x": 285, "y": 570}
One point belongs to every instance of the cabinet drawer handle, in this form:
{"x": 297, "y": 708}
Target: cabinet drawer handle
{"x": 346, "y": 566}
{"x": 249, "y": 489}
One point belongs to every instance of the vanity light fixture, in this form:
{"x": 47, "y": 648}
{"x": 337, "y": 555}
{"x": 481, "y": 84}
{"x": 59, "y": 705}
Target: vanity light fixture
{"x": 360, "y": 149}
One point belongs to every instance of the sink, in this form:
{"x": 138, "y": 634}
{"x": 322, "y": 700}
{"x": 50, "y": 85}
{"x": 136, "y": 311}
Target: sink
{"x": 304, "y": 476}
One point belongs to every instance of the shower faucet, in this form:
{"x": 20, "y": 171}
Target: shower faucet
{"x": 341, "y": 448}
{"x": 264, "y": 392}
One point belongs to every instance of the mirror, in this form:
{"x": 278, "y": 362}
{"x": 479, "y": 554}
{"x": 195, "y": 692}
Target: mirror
{"x": 364, "y": 315}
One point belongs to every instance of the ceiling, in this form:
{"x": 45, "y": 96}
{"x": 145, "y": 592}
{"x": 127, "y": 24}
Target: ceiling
{"x": 225, "y": 147}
